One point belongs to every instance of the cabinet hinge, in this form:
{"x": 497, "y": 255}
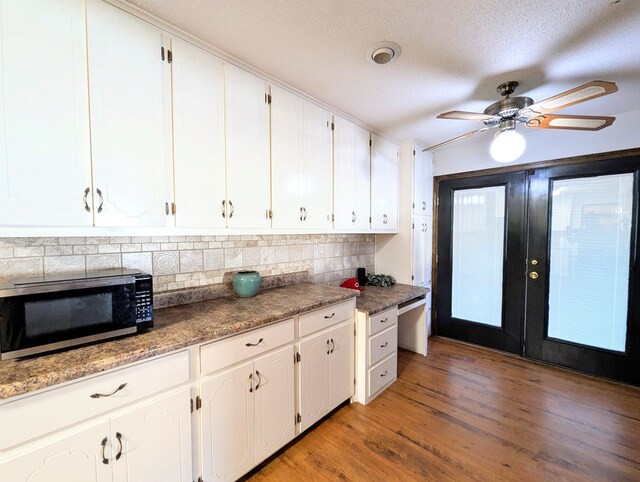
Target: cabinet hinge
{"x": 191, "y": 400}
{"x": 412, "y": 278}
{"x": 173, "y": 208}
{"x": 297, "y": 358}
{"x": 413, "y": 225}
{"x": 267, "y": 98}
{"x": 298, "y": 418}
{"x": 169, "y": 56}
{"x": 370, "y": 142}
{"x": 162, "y": 53}
{"x": 413, "y": 205}
{"x": 369, "y": 218}
{"x": 166, "y": 208}
{"x": 333, "y": 126}
{"x": 270, "y": 214}
{"x": 333, "y": 217}
{"x": 198, "y": 403}
{"x": 414, "y": 152}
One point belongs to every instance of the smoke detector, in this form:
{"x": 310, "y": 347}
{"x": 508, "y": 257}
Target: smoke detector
{"x": 383, "y": 53}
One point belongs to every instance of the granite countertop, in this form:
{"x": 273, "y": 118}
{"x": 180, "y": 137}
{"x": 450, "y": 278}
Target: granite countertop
{"x": 375, "y": 299}
{"x": 175, "y": 328}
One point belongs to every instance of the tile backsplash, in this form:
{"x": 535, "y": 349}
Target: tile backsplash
{"x": 188, "y": 261}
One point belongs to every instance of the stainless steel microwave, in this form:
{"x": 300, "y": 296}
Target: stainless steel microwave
{"x": 48, "y": 313}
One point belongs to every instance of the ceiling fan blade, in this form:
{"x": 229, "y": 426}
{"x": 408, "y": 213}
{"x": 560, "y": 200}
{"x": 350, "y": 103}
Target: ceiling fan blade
{"x": 468, "y": 134}
{"x": 571, "y": 122}
{"x": 590, "y": 90}
{"x": 462, "y": 115}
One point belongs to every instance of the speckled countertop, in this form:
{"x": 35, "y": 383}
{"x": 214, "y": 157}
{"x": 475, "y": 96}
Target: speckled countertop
{"x": 176, "y": 327}
{"x": 375, "y": 299}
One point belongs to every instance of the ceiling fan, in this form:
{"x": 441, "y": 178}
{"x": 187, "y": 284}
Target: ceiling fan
{"x": 506, "y": 113}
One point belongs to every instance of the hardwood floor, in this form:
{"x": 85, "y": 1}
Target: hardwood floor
{"x": 466, "y": 413}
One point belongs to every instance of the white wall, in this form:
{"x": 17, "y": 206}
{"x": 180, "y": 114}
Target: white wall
{"x": 542, "y": 145}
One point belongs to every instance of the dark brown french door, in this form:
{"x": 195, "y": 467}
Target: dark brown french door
{"x": 543, "y": 263}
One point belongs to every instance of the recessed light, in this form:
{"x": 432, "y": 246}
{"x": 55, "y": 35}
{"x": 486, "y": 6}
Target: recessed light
{"x": 383, "y": 53}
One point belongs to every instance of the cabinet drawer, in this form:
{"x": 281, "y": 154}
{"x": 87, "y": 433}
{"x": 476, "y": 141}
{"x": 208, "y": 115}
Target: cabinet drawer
{"x": 220, "y": 354}
{"x": 325, "y": 317}
{"x": 383, "y": 345}
{"x": 382, "y": 375}
{"x": 45, "y": 412}
{"x": 383, "y": 320}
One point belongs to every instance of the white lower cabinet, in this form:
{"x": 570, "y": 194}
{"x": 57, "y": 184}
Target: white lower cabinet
{"x": 151, "y": 443}
{"x": 326, "y": 372}
{"x": 75, "y": 458}
{"x": 247, "y": 414}
{"x": 376, "y": 357}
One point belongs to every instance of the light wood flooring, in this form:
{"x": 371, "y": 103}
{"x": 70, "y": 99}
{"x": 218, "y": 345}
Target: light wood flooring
{"x": 466, "y": 413}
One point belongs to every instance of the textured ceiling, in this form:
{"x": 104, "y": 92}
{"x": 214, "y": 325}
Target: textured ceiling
{"x": 454, "y": 52}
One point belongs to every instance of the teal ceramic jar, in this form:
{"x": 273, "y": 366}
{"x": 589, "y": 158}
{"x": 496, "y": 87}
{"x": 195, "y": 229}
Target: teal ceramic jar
{"x": 246, "y": 283}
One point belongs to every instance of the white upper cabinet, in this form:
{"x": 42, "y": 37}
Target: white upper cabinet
{"x": 351, "y": 177}
{"x": 422, "y": 183}
{"x": 44, "y": 127}
{"x": 384, "y": 184}
{"x": 248, "y": 150}
{"x": 301, "y": 166}
{"x": 130, "y": 118}
{"x": 421, "y": 251}
{"x": 198, "y": 137}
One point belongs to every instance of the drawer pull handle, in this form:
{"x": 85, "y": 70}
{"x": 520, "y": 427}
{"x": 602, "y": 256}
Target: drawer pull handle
{"x": 119, "y": 437}
{"x": 385, "y": 373}
{"x": 329, "y": 317}
{"x": 333, "y": 345}
{"x": 259, "y": 379}
{"x": 99, "y": 395}
{"x": 105, "y": 460}
{"x": 250, "y": 382}
{"x": 328, "y": 349}
{"x": 254, "y": 344}
{"x": 386, "y": 344}
{"x": 385, "y": 320}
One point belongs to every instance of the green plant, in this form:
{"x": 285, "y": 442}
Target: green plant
{"x": 380, "y": 280}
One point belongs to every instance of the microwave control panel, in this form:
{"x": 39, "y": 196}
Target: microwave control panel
{"x": 144, "y": 300}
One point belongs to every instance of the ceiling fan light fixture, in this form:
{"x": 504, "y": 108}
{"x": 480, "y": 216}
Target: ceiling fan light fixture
{"x": 507, "y": 146}
{"x": 383, "y": 53}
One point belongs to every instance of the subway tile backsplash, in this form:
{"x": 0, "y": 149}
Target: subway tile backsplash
{"x": 188, "y": 261}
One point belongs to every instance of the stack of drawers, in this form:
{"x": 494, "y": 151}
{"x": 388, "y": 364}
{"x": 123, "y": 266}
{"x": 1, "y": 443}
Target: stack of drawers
{"x": 377, "y": 342}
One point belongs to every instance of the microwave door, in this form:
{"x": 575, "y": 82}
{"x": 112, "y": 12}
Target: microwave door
{"x": 49, "y": 319}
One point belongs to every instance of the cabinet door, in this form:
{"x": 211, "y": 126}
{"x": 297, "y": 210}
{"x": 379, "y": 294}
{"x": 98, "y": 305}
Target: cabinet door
{"x": 419, "y": 255}
{"x": 198, "y": 136}
{"x": 155, "y": 442}
{"x": 45, "y": 156}
{"x": 352, "y": 176}
{"x": 384, "y": 184}
{"x": 287, "y": 174}
{"x": 317, "y": 165}
{"x": 248, "y": 150}
{"x": 314, "y": 379}
{"x": 422, "y": 183}
{"x": 228, "y": 429}
{"x": 73, "y": 458}
{"x": 341, "y": 366}
{"x": 275, "y": 402}
{"x": 130, "y": 126}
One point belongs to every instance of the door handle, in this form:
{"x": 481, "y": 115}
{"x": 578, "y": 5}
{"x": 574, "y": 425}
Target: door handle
{"x": 84, "y": 200}
{"x": 101, "y": 200}
{"x": 533, "y": 275}
{"x": 223, "y": 208}
{"x": 119, "y": 437}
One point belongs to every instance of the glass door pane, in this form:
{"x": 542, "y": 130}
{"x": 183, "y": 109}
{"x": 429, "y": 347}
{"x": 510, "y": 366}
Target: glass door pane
{"x": 478, "y": 255}
{"x": 590, "y": 243}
